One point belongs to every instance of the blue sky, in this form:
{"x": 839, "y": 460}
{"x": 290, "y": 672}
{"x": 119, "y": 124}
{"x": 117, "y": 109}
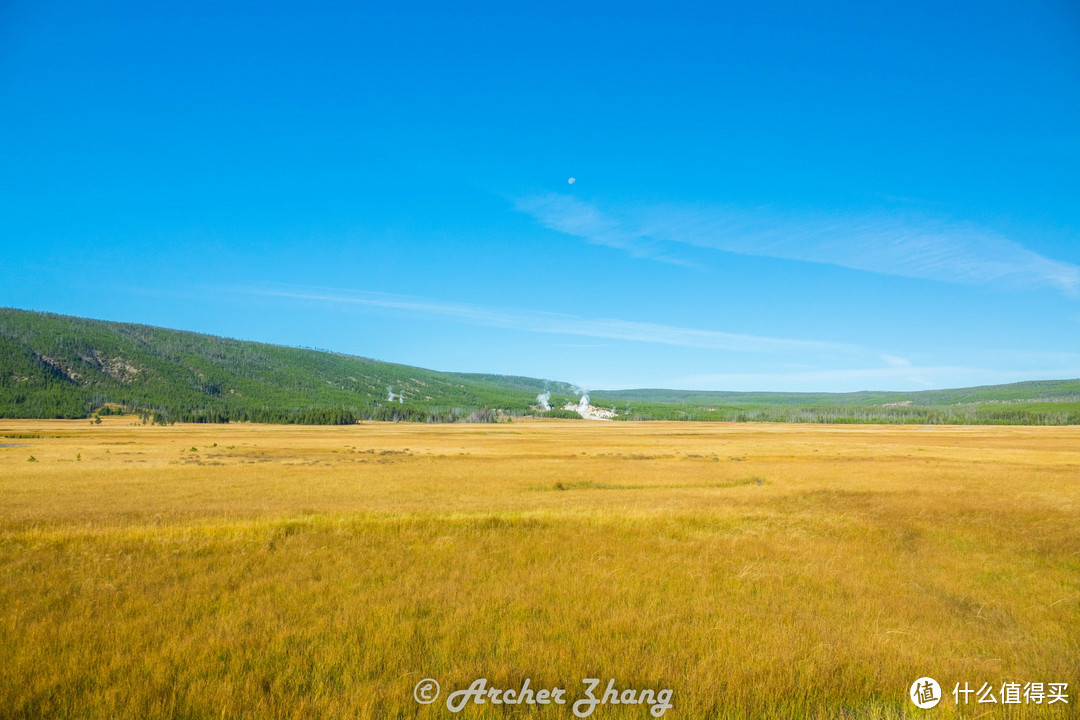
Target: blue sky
{"x": 768, "y": 196}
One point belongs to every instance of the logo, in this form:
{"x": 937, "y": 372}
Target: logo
{"x": 925, "y": 692}
{"x": 426, "y": 691}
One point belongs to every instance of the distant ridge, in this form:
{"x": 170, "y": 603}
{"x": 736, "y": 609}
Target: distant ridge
{"x": 58, "y": 366}
{"x": 1031, "y": 390}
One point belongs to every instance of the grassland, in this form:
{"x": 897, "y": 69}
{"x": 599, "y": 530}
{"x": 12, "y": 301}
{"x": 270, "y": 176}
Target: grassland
{"x": 760, "y": 571}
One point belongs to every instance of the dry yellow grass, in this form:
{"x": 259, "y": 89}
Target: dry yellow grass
{"x": 756, "y": 570}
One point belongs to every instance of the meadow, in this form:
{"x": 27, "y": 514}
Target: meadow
{"x": 756, "y": 570}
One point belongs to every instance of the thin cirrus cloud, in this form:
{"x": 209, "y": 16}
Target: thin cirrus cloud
{"x": 563, "y": 324}
{"x": 909, "y": 246}
{"x": 819, "y": 367}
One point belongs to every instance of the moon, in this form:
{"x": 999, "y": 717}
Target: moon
{"x": 571, "y": 181}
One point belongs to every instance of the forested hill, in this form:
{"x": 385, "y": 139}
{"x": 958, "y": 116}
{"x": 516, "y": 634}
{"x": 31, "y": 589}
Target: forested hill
{"x": 1046, "y": 390}
{"x": 55, "y": 366}
{"x": 1044, "y": 402}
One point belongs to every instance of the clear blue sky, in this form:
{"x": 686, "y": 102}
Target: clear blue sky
{"x": 767, "y": 196}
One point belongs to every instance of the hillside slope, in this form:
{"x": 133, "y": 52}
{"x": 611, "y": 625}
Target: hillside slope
{"x": 65, "y": 367}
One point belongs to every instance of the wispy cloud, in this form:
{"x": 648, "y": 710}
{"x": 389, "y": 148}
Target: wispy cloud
{"x": 906, "y": 245}
{"x": 895, "y": 361}
{"x": 746, "y": 362}
{"x": 563, "y": 324}
{"x": 572, "y": 216}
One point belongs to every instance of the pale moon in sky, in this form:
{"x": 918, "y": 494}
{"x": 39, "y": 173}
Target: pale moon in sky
{"x": 571, "y": 181}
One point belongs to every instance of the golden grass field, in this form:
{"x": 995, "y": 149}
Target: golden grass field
{"x": 758, "y": 571}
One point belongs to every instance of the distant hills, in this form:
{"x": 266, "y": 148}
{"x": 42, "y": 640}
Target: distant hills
{"x": 56, "y": 366}
{"x": 1043, "y": 402}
